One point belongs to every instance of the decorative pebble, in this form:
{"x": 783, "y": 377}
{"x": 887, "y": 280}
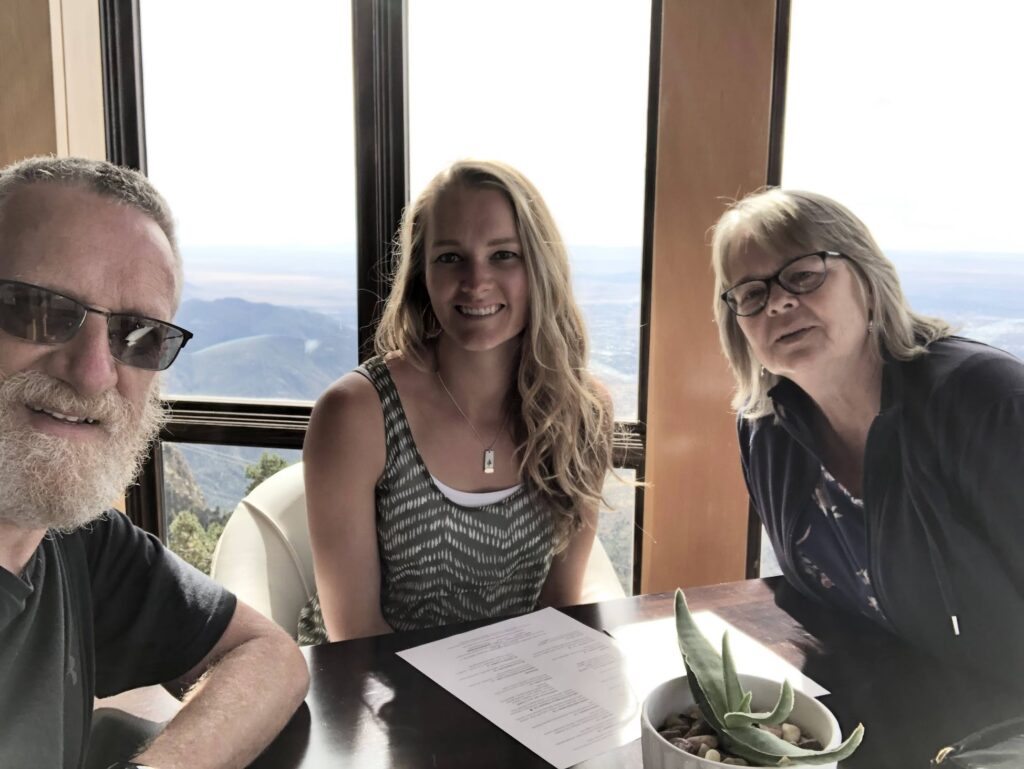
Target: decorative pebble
{"x": 683, "y": 744}
{"x": 700, "y": 726}
{"x": 689, "y": 731}
{"x": 704, "y": 739}
{"x": 791, "y": 733}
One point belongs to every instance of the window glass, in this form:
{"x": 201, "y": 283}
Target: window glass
{"x": 615, "y": 527}
{"x": 558, "y": 89}
{"x": 249, "y": 135}
{"x": 914, "y": 124}
{"x": 202, "y": 486}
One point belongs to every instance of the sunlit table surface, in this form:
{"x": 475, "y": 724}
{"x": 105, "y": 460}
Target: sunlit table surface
{"x": 368, "y": 708}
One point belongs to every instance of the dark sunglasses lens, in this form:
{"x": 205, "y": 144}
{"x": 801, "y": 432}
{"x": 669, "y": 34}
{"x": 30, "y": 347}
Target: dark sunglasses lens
{"x": 144, "y": 343}
{"x": 38, "y": 315}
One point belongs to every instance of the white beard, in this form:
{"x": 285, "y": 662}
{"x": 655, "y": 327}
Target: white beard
{"x": 54, "y": 483}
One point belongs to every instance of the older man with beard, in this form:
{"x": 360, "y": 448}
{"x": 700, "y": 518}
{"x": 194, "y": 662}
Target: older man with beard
{"x": 90, "y": 605}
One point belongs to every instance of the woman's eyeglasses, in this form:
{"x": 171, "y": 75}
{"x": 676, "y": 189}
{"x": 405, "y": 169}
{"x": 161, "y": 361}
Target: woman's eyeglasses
{"x": 800, "y": 275}
{"x": 37, "y": 314}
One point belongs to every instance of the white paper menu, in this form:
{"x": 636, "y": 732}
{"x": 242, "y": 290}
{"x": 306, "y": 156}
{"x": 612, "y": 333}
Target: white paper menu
{"x": 554, "y": 684}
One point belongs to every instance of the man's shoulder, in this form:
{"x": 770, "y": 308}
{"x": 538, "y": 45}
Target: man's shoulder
{"x": 111, "y": 525}
{"x": 107, "y": 544}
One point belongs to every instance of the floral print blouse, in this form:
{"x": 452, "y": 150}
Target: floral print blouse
{"x": 832, "y": 549}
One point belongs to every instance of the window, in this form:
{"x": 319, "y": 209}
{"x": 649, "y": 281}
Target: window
{"x": 283, "y": 147}
{"x": 203, "y": 484}
{"x": 255, "y": 155}
{"x": 574, "y": 124}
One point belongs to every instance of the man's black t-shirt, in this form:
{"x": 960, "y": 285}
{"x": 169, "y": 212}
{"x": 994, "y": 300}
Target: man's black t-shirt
{"x": 95, "y": 612}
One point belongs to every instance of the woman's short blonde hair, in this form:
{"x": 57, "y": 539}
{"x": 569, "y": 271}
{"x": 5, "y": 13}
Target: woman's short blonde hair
{"x": 788, "y": 223}
{"x": 565, "y": 422}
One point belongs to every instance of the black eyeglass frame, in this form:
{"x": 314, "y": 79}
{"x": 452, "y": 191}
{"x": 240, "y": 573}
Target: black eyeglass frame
{"x": 777, "y": 278}
{"x": 185, "y": 334}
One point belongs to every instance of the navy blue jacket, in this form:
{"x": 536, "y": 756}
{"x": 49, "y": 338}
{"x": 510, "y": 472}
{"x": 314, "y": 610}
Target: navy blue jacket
{"x": 943, "y": 493}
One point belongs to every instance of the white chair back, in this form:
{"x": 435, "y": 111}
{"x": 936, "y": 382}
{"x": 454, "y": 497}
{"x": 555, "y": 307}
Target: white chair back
{"x": 264, "y": 556}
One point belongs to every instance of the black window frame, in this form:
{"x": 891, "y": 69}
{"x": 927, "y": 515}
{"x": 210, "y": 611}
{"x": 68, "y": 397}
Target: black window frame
{"x": 380, "y": 49}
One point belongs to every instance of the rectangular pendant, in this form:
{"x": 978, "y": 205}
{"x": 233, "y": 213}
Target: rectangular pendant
{"x": 488, "y": 461}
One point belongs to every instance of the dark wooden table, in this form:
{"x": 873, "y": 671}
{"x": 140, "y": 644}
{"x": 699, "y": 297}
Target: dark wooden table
{"x": 368, "y": 708}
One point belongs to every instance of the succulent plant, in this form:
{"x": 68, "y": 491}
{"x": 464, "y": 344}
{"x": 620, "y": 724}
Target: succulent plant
{"x": 726, "y": 707}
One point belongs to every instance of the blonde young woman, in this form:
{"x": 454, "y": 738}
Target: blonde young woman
{"x": 457, "y": 474}
{"x": 884, "y": 455}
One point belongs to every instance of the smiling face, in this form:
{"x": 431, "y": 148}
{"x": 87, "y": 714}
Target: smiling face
{"x": 475, "y": 271}
{"x": 805, "y": 337}
{"x": 73, "y": 421}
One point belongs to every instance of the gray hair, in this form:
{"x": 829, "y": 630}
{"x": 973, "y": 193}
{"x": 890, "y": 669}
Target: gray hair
{"x": 787, "y": 223}
{"x": 122, "y": 184}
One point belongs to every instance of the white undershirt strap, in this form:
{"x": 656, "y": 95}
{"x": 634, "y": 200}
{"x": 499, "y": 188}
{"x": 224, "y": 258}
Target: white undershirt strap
{"x": 474, "y": 498}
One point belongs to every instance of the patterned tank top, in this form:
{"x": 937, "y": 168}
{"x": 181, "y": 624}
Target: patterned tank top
{"x": 442, "y": 562}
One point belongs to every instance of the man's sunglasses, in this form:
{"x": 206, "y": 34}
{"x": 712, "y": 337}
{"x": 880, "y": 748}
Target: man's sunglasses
{"x": 40, "y": 315}
{"x": 800, "y": 275}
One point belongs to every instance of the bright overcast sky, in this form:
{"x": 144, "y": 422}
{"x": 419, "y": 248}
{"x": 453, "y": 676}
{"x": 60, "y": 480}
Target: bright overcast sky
{"x": 909, "y": 112}
{"x": 557, "y": 87}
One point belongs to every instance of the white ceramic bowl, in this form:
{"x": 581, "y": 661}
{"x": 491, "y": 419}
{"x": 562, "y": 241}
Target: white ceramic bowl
{"x": 674, "y": 696}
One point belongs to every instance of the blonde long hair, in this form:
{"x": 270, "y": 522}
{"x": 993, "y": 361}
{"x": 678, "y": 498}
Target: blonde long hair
{"x": 565, "y": 423}
{"x": 787, "y": 223}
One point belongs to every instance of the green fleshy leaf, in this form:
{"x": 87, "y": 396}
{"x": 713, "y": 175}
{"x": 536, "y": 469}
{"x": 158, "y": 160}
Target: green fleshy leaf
{"x": 763, "y": 747}
{"x": 745, "y": 702}
{"x": 702, "y": 662}
{"x": 733, "y": 690}
{"x": 776, "y": 715}
{"x": 702, "y": 701}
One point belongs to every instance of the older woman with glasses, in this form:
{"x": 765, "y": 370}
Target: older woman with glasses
{"x": 883, "y": 454}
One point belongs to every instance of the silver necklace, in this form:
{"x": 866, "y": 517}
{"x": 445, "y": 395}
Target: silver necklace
{"x": 488, "y": 449}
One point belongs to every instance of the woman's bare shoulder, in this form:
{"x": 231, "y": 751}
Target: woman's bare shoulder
{"x": 351, "y": 390}
{"x": 347, "y": 420}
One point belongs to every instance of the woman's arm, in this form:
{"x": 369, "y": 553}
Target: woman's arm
{"x": 344, "y": 455}
{"x": 564, "y": 584}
